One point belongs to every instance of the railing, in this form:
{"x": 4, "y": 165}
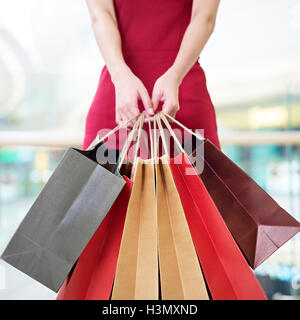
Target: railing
{"x": 63, "y": 139}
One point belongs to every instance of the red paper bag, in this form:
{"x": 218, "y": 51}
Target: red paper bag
{"x": 93, "y": 275}
{"x": 226, "y": 271}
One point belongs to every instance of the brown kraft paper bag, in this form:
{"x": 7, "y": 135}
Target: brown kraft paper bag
{"x": 180, "y": 272}
{"x": 137, "y": 269}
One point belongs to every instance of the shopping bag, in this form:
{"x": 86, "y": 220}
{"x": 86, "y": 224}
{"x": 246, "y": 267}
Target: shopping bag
{"x": 63, "y": 218}
{"x": 93, "y": 276}
{"x": 137, "y": 268}
{"x": 180, "y": 272}
{"x": 226, "y": 271}
{"x": 258, "y": 224}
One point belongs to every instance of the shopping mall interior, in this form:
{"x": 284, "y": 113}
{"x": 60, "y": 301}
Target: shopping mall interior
{"x": 49, "y": 71}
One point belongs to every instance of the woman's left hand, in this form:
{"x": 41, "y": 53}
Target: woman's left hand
{"x": 166, "y": 90}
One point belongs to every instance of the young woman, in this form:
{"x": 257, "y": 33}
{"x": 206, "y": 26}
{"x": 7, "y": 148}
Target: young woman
{"x": 151, "y": 51}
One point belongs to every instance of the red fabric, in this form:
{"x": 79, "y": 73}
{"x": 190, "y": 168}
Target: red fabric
{"x": 226, "y": 271}
{"x": 151, "y": 33}
{"x": 93, "y": 275}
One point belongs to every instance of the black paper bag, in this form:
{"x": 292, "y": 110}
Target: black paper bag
{"x": 258, "y": 224}
{"x": 64, "y": 217}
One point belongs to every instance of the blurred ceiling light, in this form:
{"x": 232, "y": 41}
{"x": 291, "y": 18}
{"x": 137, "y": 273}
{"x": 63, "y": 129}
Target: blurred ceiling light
{"x": 268, "y": 117}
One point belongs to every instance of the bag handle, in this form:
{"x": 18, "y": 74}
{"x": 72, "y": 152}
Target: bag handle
{"x": 182, "y": 126}
{"x": 162, "y": 135}
{"x": 154, "y": 140}
{"x": 137, "y": 147}
{"x": 118, "y": 127}
{"x": 151, "y": 138}
{"x": 128, "y": 142}
{"x": 166, "y": 122}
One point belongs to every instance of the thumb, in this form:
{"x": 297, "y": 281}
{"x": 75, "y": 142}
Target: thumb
{"x": 156, "y": 98}
{"x": 146, "y": 101}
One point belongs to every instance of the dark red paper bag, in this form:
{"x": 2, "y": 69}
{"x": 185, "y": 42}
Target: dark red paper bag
{"x": 258, "y": 224}
{"x": 93, "y": 275}
{"x": 226, "y": 271}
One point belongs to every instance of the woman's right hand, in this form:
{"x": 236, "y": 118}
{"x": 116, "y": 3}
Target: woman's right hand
{"x": 128, "y": 90}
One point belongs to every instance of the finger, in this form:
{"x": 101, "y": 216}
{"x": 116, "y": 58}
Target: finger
{"x": 156, "y": 98}
{"x": 122, "y": 117}
{"x": 146, "y": 101}
{"x": 147, "y": 117}
{"x": 129, "y": 113}
{"x": 125, "y": 115}
{"x": 118, "y": 117}
{"x": 171, "y": 109}
{"x": 133, "y": 111}
{"x": 129, "y": 124}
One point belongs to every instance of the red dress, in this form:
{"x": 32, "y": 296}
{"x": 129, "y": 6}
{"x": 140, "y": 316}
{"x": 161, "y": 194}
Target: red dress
{"x": 151, "y": 33}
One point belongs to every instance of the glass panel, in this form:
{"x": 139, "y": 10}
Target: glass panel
{"x": 23, "y": 173}
{"x": 277, "y": 170}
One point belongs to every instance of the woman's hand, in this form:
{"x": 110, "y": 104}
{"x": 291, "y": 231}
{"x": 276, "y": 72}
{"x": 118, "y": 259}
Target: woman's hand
{"x": 195, "y": 37}
{"x": 129, "y": 89}
{"x": 166, "y": 90}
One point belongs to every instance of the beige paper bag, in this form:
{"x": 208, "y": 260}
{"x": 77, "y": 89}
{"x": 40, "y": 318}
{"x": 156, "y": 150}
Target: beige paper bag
{"x": 180, "y": 272}
{"x": 137, "y": 269}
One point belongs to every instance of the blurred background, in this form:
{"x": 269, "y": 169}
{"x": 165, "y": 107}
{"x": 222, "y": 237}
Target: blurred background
{"x": 49, "y": 71}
